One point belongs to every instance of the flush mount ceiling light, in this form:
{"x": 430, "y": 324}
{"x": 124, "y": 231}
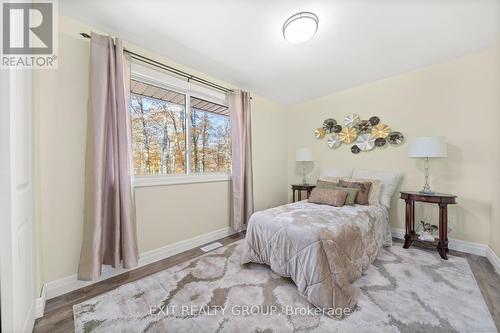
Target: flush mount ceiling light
{"x": 300, "y": 27}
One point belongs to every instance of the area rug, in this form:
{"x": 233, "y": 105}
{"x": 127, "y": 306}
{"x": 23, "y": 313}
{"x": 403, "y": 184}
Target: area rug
{"x": 405, "y": 290}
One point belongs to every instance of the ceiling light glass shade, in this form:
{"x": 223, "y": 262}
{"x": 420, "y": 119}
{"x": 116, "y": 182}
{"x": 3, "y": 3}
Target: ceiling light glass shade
{"x": 300, "y": 27}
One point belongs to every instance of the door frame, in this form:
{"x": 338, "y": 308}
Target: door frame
{"x": 17, "y": 224}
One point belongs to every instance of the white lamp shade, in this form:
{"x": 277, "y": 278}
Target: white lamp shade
{"x": 428, "y": 146}
{"x": 304, "y": 155}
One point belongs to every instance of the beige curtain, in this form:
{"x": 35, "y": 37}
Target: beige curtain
{"x": 241, "y": 148}
{"x": 109, "y": 235}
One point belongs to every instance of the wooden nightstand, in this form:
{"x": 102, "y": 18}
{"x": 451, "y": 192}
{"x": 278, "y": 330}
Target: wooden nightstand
{"x": 301, "y": 187}
{"x": 443, "y": 200}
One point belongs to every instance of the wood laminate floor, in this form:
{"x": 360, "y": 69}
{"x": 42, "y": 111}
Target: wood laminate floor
{"x": 58, "y": 315}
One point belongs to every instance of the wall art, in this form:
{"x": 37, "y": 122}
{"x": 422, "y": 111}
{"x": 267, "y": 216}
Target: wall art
{"x": 365, "y": 134}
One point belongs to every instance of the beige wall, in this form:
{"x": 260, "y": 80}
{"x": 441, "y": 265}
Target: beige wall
{"x": 457, "y": 99}
{"x": 168, "y": 214}
{"x": 269, "y": 153}
{"x": 165, "y": 214}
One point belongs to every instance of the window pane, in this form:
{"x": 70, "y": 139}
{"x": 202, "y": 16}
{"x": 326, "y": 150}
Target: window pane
{"x": 210, "y": 137}
{"x": 158, "y": 130}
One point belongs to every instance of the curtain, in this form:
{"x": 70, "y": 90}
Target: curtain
{"x": 241, "y": 149}
{"x": 109, "y": 235}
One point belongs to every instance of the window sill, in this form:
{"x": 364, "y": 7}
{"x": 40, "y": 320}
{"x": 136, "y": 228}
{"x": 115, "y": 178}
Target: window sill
{"x": 146, "y": 181}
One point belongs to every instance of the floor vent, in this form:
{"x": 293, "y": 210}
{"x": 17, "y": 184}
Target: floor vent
{"x": 211, "y": 247}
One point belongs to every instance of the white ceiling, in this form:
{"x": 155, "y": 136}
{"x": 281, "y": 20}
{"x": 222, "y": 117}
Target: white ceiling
{"x": 240, "y": 41}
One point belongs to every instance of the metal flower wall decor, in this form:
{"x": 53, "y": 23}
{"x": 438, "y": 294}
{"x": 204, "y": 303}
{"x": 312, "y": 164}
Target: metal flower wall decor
{"x": 364, "y": 134}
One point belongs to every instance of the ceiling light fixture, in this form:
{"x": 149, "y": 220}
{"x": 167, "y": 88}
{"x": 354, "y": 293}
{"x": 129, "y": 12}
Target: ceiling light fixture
{"x": 300, "y": 27}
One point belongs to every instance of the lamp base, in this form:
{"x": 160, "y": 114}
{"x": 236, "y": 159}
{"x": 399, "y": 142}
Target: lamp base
{"x": 426, "y": 189}
{"x": 304, "y": 180}
{"x": 426, "y": 192}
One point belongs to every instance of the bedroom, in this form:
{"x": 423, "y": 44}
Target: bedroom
{"x": 229, "y": 109}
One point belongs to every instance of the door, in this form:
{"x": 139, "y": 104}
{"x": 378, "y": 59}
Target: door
{"x": 17, "y": 230}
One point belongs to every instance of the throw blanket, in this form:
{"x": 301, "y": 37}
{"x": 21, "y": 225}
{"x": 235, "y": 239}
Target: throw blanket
{"x": 323, "y": 249}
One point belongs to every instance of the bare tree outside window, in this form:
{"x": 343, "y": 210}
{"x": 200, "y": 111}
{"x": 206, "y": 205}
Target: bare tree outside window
{"x": 158, "y": 130}
{"x": 210, "y": 137}
{"x": 160, "y": 133}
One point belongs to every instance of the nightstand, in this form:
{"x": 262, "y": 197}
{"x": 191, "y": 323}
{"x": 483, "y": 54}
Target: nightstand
{"x": 441, "y": 199}
{"x": 299, "y": 188}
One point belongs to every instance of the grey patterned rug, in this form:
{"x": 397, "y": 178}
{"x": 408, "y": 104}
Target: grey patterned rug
{"x": 403, "y": 291}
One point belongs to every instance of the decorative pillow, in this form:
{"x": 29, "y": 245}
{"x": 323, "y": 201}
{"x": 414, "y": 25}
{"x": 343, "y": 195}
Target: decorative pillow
{"x": 375, "y": 189}
{"x": 325, "y": 196}
{"x": 351, "y": 192}
{"x": 389, "y": 179}
{"x": 363, "y": 187}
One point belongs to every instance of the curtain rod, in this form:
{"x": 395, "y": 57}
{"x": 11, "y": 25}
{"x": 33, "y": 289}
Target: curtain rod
{"x": 171, "y": 69}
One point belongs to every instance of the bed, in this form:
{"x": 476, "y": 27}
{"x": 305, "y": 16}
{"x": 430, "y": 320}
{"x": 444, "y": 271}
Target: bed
{"x": 322, "y": 248}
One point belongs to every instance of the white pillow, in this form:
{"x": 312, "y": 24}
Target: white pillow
{"x": 389, "y": 179}
{"x": 339, "y": 172}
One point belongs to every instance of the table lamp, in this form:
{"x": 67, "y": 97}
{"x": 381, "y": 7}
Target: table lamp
{"x": 303, "y": 156}
{"x": 428, "y": 147}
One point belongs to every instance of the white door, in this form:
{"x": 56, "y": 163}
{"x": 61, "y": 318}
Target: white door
{"x": 17, "y": 230}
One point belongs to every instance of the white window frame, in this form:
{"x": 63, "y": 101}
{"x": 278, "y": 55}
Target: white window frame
{"x": 163, "y": 80}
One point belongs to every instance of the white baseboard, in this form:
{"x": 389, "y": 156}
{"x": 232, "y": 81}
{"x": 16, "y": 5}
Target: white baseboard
{"x": 398, "y": 233}
{"x": 493, "y": 258}
{"x": 40, "y": 304}
{"x": 70, "y": 283}
{"x": 453, "y": 244}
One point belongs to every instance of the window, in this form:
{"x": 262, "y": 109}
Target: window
{"x": 178, "y": 132}
{"x": 210, "y": 137}
{"x": 158, "y": 130}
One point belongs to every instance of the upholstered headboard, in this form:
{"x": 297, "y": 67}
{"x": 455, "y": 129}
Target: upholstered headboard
{"x": 389, "y": 179}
